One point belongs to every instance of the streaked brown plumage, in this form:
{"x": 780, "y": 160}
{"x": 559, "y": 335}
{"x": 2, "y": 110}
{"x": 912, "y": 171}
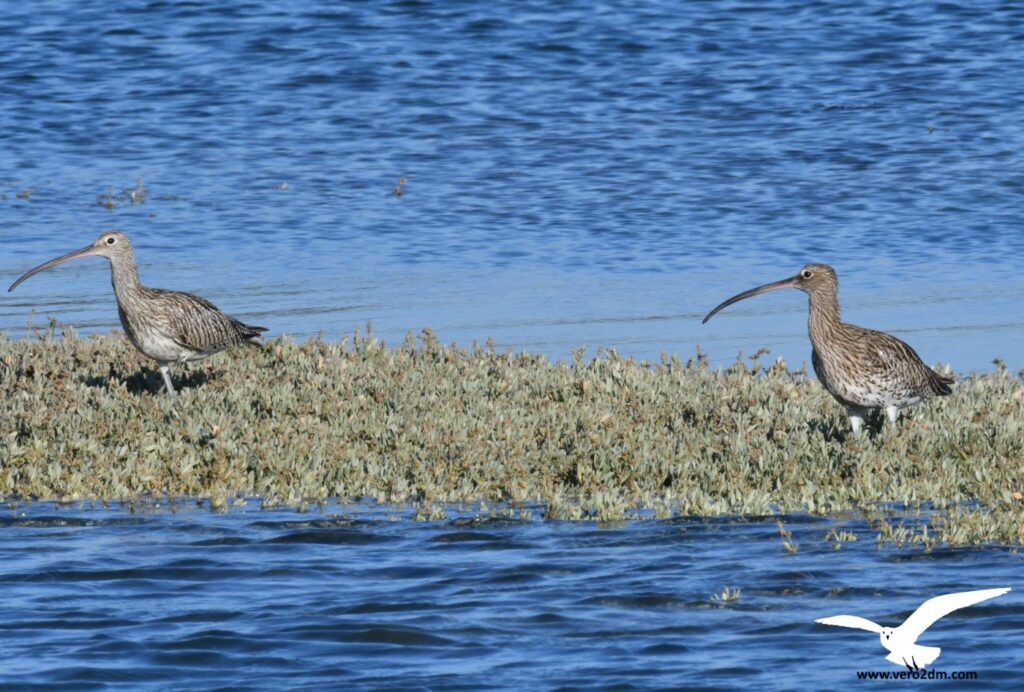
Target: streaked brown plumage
{"x": 167, "y": 326}
{"x": 862, "y": 368}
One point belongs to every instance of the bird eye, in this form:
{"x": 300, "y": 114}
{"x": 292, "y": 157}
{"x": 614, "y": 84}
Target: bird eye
{"x": 111, "y": 240}
{"x": 806, "y": 273}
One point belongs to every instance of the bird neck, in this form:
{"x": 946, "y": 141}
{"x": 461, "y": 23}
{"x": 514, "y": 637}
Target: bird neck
{"x": 823, "y": 318}
{"x": 124, "y": 275}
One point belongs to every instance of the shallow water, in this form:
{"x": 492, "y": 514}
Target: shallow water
{"x": 577, "y": 176}
{"x": 358, "y": 596}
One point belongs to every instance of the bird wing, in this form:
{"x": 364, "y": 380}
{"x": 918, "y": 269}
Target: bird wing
{"x": 198, "y": 324}
{"x": 892, "y": 353}
{"x": 887, "y": 354}
{"x": 851, "y": 621}
{"x": 935, "y": 608}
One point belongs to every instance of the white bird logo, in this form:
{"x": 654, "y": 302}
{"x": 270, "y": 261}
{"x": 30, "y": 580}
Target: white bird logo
{"x": 902, "y": 641}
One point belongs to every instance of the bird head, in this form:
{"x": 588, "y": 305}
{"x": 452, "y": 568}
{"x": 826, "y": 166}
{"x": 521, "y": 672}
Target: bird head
{"x": 112, "y": 245}
{"x": 811, "y": 279}
{"x": 815, "y": 277}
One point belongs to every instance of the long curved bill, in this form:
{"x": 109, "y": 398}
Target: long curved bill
{"x": 785, "y": 283}
{"x": 81, "y": 252}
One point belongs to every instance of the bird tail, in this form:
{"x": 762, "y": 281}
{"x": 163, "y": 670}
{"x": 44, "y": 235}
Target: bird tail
{"x": 250, "y": 332}
{"x": 915, "y": 656}
{"x": 940, "y": 383}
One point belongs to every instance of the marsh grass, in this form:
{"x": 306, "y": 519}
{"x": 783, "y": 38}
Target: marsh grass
{"x": 603, "y": 438}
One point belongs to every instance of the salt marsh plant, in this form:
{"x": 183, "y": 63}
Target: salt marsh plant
{"x": 728, "y": 595}
{"x": 430, "y": 424}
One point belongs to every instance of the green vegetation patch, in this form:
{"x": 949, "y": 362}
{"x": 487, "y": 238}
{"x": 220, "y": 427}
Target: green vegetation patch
{"x": 431, "y": 424}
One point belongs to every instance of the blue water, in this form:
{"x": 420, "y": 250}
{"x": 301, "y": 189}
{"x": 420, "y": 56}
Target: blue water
{"x": 358, "y": 597}
{"x": 576, "y": 175}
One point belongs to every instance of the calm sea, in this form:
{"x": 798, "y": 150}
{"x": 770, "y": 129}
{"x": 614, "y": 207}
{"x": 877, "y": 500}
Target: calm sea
{"x": 576, "y": 175}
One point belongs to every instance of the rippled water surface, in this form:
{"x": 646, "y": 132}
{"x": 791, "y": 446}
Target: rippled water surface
{"x": 575, "y": 175}
{"x": 359, "y": 596}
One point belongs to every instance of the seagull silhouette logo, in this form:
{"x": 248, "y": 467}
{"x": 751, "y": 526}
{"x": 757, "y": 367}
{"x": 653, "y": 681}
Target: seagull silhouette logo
{"x": 902, "y": 641}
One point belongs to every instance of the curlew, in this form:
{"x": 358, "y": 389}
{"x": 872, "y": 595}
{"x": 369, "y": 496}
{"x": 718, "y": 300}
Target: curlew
{"x": 862, "y": 368}
{"x": 167, "y": 326}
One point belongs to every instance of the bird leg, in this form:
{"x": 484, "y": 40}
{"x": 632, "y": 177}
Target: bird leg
{"x": 857, "y": 415}
{"x": 892, "y": 412}
{"x": 165, "y": 370}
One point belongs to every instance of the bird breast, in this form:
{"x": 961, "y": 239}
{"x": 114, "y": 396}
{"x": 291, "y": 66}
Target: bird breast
{"x": 162, "y": 348}
{"x": 149, "y": 333}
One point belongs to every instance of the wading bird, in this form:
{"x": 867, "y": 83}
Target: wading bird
{"x": 862, "y": 368}
{"x": 902, "y": 641}
{"x": 167, "y": 326}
